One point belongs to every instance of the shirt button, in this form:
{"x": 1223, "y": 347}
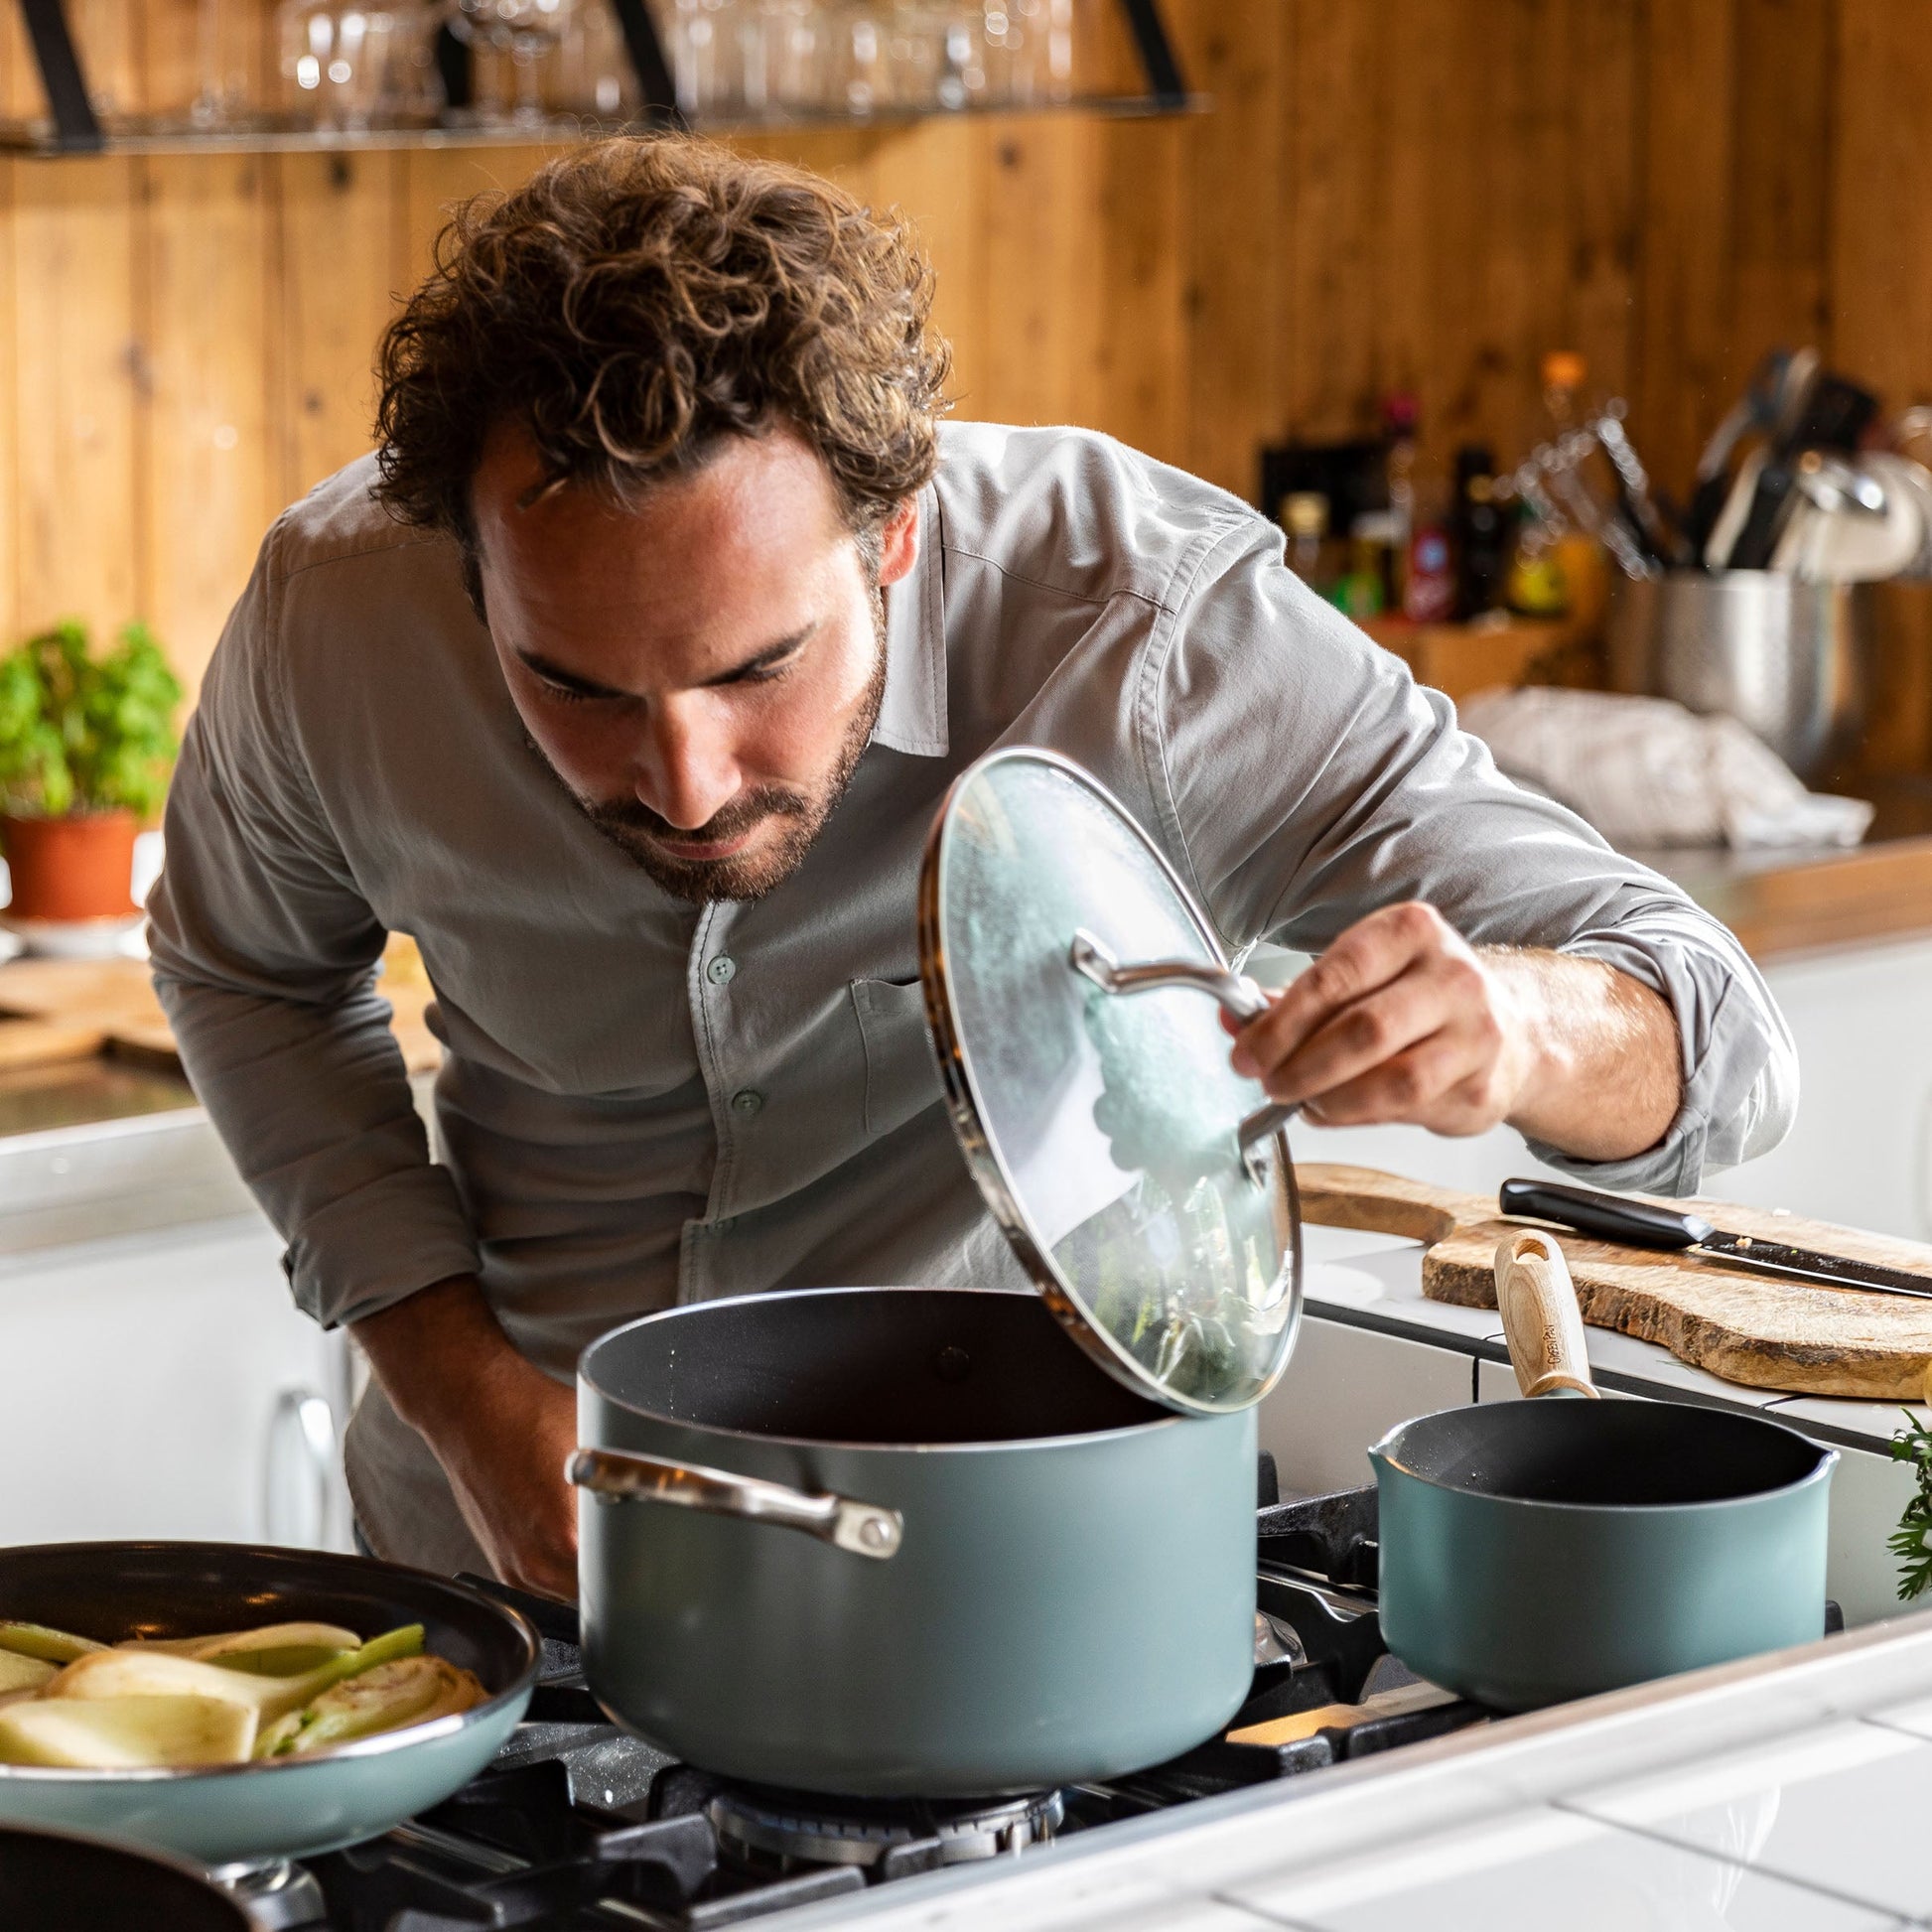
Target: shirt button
{"x": 722, "y": 970}
{"x": 725, "y": 1225}
{"x": 748, "y": 1100}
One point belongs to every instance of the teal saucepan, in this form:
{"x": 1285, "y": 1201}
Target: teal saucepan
{"x": 929, "y": 1548}
{"x": 1533, "y": 1552}
{"x": 246, "y": 1813}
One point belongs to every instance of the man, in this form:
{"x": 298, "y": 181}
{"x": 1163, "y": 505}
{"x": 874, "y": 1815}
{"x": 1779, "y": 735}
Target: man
{"x": 628, "y": 677}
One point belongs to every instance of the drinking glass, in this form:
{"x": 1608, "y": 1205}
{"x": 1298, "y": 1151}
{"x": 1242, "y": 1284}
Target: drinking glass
{"x": 528, "y": 32}
{"x": 858, "y": 73}
{"x": 705, "y": 57}
{"x": 221, "y": 81}
{"x": 1029, "y": 51}
{"x": 797, "y": 41}
{"x": 593, "y": 66}
{"x": 351, "y": 67}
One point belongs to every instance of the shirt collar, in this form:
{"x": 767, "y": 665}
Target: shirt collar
{"x": 912, "y": 715}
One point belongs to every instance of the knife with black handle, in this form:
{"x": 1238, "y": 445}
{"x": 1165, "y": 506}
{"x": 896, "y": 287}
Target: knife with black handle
{"x": 1644, "y": 1225}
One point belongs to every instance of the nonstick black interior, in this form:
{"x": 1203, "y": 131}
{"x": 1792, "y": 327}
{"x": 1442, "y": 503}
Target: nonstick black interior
{"x": 1605, "y": 1453}
{"x": 114, "y": 1590}
{"x": 867, "y": 1365}
{"x": 50, "y": 1882}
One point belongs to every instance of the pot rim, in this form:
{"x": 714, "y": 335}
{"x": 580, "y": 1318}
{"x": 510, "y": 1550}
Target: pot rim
{"x": 1381, "y": 1457}
{"x": 1158, "y": 1419}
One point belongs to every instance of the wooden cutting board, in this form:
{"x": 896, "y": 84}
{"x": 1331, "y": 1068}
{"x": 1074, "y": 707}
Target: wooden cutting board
{"x": 54, "y": 1010}
{"x": 1752, "y": 1328}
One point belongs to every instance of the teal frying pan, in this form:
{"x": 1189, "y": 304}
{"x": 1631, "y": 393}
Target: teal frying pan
{"x": 1538, "y": 1551}
{"x": 249, "y": 1813}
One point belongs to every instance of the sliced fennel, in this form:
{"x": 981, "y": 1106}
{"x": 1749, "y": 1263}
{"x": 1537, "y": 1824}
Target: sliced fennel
{"x": 126, "y": 1733}
{"x": 50, "y": 1647}
{"x": 410, "y": 1691}
{"x": 104, "y": 1673}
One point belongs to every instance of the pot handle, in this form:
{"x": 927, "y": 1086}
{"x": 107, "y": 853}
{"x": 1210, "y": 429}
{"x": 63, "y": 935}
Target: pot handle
{"x": 1541, "y": 1322}
{"x": 1237, "y": 994}
{"x": 615, "y": 1476}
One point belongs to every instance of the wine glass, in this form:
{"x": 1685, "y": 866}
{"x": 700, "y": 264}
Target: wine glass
{"x": 525, "y": 30}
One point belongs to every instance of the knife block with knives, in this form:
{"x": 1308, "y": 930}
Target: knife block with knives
{"x": 1717, "y": 1311}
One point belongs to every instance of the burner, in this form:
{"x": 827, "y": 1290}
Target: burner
{"x": 274, "y": 1892}
{"x": 764, "y": 1829}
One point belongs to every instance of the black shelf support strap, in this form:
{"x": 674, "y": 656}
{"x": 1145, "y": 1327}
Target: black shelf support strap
{"x": 455, "y": 68}
{"x": 76, "y": 128}
{"x": 1165, "y": 85}
{"x": 647, "y": 61}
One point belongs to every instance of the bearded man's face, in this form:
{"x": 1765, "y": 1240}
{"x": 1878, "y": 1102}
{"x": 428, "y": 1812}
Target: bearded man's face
{"x": 701, "y": 672}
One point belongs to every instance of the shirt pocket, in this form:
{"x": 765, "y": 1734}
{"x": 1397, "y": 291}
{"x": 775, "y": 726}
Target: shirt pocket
{"x": 901, "y": 1073}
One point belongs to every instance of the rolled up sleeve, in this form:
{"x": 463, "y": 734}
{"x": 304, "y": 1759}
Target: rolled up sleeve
{"x": 264, "y": 955}
{"x": 1308, "y": 780}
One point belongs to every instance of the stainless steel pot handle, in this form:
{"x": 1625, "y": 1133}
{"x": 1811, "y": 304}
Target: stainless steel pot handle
{"x": 1238, "y": 995}
{"x": 613, "y": 1475}
{"x": 1094, "y": 961}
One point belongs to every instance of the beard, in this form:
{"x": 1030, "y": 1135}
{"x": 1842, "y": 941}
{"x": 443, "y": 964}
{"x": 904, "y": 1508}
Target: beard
{"x": 798, "y": 814}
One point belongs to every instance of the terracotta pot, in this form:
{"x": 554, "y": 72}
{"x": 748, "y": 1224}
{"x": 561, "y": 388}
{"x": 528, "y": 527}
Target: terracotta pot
{"x": 78, "y": 867}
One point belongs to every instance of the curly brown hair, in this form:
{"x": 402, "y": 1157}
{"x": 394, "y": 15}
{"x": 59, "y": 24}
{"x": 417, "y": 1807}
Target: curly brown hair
{"x": 639, "y": 299}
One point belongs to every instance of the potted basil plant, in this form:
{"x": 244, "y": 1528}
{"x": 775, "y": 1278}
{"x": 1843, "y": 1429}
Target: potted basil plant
{"x": 86, "y": 745}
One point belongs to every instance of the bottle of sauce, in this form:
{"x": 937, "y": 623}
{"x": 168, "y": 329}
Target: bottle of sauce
{"x": 1429, "y": 583}
{"x": 1479, "y": 533}
{"x": 1401, "y": 417}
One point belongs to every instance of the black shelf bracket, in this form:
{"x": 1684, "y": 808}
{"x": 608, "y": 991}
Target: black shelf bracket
{"x": 1165, "y": 85}
{"x": 647, "y": 61}
{"x": 77, "y": 129}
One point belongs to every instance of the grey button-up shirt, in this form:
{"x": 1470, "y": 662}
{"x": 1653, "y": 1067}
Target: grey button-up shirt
{"x": 647, "y": 1102}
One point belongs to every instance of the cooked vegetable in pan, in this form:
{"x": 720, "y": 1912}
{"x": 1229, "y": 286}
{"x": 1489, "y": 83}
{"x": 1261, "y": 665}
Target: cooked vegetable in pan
{"x": 287, "y": 1690}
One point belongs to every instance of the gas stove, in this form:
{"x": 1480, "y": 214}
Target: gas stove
{"x": 577, "y": 1825}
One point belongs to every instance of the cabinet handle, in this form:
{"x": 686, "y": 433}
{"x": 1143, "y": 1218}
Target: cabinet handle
{"x": 299, "y": 1457}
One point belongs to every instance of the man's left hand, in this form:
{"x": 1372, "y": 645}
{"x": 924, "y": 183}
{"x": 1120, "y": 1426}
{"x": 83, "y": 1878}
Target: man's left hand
{"x": 1401, "y": 1020}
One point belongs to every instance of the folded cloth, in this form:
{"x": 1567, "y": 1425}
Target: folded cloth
{"x": 1646, "y": 772}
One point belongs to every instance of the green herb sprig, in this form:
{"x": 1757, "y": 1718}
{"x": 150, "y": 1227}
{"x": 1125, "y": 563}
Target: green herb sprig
{"x": 85, "y": 734}
{"x": 1911, "y": 1541}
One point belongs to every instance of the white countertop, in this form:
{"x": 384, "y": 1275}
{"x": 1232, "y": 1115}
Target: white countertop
{"x": 1785, "y": 1794}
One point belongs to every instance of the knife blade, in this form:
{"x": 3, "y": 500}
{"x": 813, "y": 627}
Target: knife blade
{"x": 1644, "y": 1225}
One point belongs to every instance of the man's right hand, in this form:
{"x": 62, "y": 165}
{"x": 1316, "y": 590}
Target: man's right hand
{"x": 500, "y": 1428}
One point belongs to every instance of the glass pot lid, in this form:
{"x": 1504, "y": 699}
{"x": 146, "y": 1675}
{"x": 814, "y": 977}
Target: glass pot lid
{"x": 1075, "y": 995}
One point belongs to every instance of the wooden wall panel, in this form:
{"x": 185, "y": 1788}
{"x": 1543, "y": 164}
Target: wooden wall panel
{"x": 1132, "y": 342}
{"x": 1783, "y": 162}
{"x": 80, "y": 370}
{"x": 1744, "y": 121}
{"x": 1880, "y": 272}
{"x": 1336, "y": 110}
{"x": 9, "y": 420}
{"x": 1684, "y": 338}
{"x": 338, "y": 267}
{"x": 1233, "y": 236}
{"x": 210, "y": 483}
{"x": 1040, "y": 271}
{"x": 1419, "y": 193}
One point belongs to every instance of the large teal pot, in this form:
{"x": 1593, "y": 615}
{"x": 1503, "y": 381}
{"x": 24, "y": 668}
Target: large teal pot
{"x": 293, "y": 1809}
{"x": 1071, "y": 1596}
{"x": 1533, "y": 1552}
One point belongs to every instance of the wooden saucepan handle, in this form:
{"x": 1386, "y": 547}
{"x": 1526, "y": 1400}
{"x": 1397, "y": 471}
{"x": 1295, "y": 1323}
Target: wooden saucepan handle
{"x": 1541, "y": 1322}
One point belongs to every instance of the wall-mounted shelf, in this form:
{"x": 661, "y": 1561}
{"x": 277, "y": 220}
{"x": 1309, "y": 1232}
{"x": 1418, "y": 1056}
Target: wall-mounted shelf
{"x": 73, "y": 127}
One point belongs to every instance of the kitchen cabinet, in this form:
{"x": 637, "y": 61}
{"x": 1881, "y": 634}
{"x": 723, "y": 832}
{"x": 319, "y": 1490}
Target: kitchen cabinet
{"x": 162, "y": 1384}
{"x": 1344, "y": 1389}
{"x": 1861, "y": 1149}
